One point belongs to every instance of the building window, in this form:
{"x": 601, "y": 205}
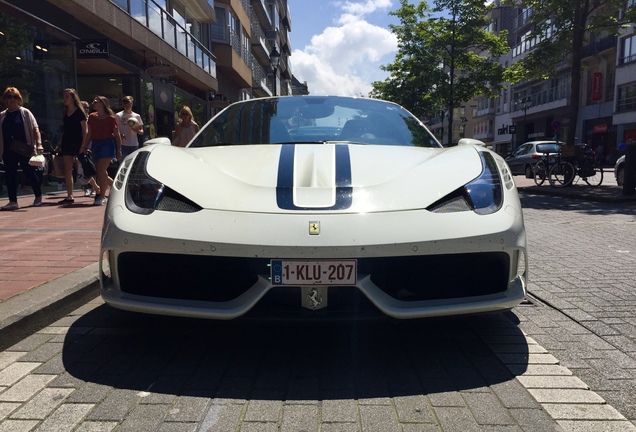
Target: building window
{"x": 626, "y": 100}
{"x": 628, "y": 50}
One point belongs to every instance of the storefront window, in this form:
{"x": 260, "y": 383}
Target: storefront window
{"x": 40, "y": 66}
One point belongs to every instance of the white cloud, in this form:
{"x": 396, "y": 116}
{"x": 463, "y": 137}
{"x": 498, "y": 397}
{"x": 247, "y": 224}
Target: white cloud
{"x": 345, "y": 59}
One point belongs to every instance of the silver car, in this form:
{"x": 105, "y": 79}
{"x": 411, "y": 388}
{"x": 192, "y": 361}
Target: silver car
{"x": 522, "y": 160}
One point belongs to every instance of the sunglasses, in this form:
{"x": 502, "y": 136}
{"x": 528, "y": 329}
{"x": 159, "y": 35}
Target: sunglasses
{"x": 12, "y": 96}
{"x": 184, "y": 115}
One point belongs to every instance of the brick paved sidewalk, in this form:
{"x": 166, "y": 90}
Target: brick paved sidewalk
{"x": 39, "y": 244}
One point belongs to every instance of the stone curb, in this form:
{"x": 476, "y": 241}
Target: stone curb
{"x": 46, "y": 302}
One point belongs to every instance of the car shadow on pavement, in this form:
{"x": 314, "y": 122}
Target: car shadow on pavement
{"x": 275, "y": 360}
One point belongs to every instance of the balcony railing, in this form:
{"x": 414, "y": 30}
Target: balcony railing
{"x": 601, "y": 45}
{"x": 225, "y": 35}
{"x": 161, "y": 23}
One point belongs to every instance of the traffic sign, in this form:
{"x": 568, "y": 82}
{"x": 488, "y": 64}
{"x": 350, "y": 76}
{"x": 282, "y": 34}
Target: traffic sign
{"x": 556, "y": 125}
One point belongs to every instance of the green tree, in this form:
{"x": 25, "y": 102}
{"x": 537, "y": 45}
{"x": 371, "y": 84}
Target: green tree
{"x": 561, "y": 28}
{"x": 445, "y": 57}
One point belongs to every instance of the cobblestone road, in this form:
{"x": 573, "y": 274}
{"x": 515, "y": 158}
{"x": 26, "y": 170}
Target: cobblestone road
{"x": 583, "y": 265}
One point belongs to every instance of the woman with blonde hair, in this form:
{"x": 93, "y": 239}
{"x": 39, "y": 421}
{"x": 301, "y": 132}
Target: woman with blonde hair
{"x": 18, "y": 126}
{"x": 103, "y": 135}
{"x": 72, "y": 138}
{"x": 186, "y": 128}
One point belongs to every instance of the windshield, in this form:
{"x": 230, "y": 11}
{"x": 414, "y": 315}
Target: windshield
{"x": 315, "y": 119}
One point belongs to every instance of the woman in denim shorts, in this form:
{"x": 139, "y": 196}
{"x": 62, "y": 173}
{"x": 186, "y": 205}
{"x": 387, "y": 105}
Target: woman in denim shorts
{"x": 103, "y": 134}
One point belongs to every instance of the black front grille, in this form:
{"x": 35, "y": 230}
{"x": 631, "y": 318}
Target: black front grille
{"x": 208, "y": 278}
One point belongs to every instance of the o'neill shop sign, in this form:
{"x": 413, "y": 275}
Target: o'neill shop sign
{"x": 92, "y": 48}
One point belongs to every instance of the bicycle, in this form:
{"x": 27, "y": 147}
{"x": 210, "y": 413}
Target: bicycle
{"x": 585, "y": 166}
{"x": 542, "y": 167}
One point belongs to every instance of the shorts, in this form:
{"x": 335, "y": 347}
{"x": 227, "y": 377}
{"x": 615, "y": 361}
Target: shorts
{"x": 103, "y": 149}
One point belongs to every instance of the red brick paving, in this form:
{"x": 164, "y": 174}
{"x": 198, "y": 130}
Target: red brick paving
{"x": 38, "y": 244}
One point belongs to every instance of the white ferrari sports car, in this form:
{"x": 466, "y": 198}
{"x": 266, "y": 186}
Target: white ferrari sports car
{"x": 310, "y": 206}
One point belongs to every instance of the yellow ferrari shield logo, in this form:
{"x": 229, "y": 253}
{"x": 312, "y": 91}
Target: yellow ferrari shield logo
{"x": 314, "y": 228}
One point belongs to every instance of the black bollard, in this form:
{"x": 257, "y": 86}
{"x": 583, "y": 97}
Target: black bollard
{"x": 629, "y": 185}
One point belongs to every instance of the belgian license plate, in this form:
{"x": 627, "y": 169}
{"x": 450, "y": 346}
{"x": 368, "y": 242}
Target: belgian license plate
{"x": 314, "y": 272}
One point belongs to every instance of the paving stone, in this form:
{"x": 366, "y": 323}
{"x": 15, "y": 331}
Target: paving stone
{"x": 559, "y": 382}
{"x": 143, "y": 418}
{"x": 487, "y": 409}
{"x": 299, "y": 418}
{"x": 18, "y": 425}
{"x": 26, "y": 388}
{"x": 596, "y": 426}
{"x": 413, "y": 409}
{"x": 258, "y": 427}
{"x": 263, "y": 410}
{"x": 7, "y": 408}
{"x": 42, "y": 404}
{"x": 44, "y": 352}
{"x": 30, "y": 343}
{"x": 339, "y": 410}
{"x": 456, "y": 419}
{"x": 65, "y": 418}
{"x": 533, "y": 419}
{"x": 92, "y": 426}
{"x": 188, "y": 409}
{"x": 513, "y": 395}
{"x": 115, "y": 406}
{"x": 566, "y": 396}
{"x": 16, "y": 371}
{"x": 379, "y": 418}
{"x": 582, "y": 412}
{"x": 9, "y": 357}
{"x": 339, "y": 427}
{"x": 222, "y": 418}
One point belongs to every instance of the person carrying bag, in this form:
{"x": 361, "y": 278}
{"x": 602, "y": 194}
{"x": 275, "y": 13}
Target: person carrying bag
{"x": 19, "y": 138}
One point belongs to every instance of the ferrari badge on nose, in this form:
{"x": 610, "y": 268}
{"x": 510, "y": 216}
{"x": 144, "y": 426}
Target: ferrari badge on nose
{"x": 314, "y": 228}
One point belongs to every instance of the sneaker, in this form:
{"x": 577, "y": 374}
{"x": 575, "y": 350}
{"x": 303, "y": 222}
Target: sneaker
{"x": 87, "y": 192}
{"x": 10, "y": 206}
{"x": 98, "y": 200}
{"x": 37, "y": 202}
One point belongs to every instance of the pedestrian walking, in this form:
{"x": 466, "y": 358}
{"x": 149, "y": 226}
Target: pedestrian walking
{"x": 105, "y": 139}
{"x": 130, "y": 126}
{"x": 19, "y": 140}
{"x": 73, "y": 135}
{"x": 186, "y": 128}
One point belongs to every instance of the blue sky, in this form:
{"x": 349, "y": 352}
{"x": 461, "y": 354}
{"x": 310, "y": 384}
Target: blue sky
{"x": 339, "y": 45}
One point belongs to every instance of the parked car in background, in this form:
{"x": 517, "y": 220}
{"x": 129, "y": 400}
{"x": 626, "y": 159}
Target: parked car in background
{"x": 314, "y": 205}
{"x": 619, "y": 170}
{"x": 522, "y": 160}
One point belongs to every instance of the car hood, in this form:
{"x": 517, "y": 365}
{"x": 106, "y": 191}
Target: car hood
{"x": 314, "y": 177}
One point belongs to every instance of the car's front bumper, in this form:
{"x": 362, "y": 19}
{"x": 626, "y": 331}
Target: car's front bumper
{"x": 180, "y": 259}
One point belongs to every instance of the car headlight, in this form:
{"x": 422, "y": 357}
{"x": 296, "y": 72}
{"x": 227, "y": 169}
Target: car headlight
{"x": 484, "y": 195}
{"x": 144, "y": 194}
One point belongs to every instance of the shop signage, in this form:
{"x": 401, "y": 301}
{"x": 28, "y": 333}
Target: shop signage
{"x": 161, "y": 71}
{"x": 601, "y": 128}
{"x": 92, "y": 48}
{"x": 597, "y": 79}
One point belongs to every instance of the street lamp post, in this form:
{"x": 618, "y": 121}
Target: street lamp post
{"x": 274, "y": 60}
{"x": 525, "y": 104}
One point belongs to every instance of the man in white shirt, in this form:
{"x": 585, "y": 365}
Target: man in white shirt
{"x": 130, "y": 125}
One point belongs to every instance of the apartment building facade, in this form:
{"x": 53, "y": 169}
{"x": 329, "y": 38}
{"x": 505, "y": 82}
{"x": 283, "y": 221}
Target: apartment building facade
{"x": 538, "y": 110}
{"x": 165, "y": 53}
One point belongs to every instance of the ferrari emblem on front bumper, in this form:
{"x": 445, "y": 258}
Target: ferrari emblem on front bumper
{"x": 314, "y": 228}
{"x": 314, "y": 298}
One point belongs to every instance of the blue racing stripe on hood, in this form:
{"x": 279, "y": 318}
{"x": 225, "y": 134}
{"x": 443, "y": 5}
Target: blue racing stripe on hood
{"x": 285, "y": 183}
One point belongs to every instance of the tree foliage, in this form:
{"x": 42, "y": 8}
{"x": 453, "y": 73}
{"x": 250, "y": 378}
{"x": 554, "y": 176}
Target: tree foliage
{"x": 445, "y": 57}
{"x": 560, "y": 30}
